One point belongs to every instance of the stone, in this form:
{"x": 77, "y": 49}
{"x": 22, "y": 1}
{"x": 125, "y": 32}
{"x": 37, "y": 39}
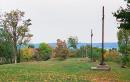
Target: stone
{"x": 101, "y": 67}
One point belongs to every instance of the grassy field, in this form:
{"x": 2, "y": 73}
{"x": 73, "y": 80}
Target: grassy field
{"x": 70, "y": 70}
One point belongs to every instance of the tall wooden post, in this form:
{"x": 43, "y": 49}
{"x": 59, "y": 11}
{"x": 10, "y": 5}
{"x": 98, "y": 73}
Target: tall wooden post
{"x": 102, "y": 58}
{"x": 102, "y": 65}
{"x": 91, "y": 46}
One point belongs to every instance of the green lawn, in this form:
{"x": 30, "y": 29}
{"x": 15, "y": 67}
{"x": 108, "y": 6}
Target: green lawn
{"x": 70, "y": 70}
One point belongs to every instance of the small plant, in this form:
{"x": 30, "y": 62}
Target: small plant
{"x": 125, "y": 61}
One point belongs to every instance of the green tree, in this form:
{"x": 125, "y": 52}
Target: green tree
{"x": 6, "y": 49}
{"x": 128, "y": 1}
{"x": 124, "y": 44}
{"x": 123, "y": 40}
{"x": 123, "y": 16}
{"x": 6, "y": 52}
{"x": 17, "y": 28}
{"x": 72, "y": 42}
{"x": 96, "y": 53}
{"x": 45, "y": 51}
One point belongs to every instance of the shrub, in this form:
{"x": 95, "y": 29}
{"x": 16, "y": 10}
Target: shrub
{"x": 26, "y": 54}
{"x": 36, "y": 55}
{"x": 112, "y": 55}
{"x": 82, "y": 52}
{"x": 6, "y": 52}
{"x": 96, "y": 53}
{"x": 125, "y": 60}
{"x": 45, "y": 51}
{"x": 73, "y": 53}
{"x": 61, "y": 52}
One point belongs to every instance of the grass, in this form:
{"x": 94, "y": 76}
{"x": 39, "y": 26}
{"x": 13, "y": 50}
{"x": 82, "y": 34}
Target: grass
{"x": 70, "y": 70}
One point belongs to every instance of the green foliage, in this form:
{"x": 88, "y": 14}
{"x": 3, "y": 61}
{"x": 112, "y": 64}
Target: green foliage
{"x": 85, "y": 51}
{"x": 6, "y": 49}
{"x": 16, "y": 28}
{"x": 72, "y": 42}
{"x": 82, "y": 51}
{"x": 123, "y": 40}
{"x": 124, "y": 45}
{"x": 6, "y": 52}
{"x": 45, "y": 51}
{"x": 123, "y": 16}
{"x": 96, "y": 53}
{"x": 128, "y": 1}
{"x": 125, "y": 60}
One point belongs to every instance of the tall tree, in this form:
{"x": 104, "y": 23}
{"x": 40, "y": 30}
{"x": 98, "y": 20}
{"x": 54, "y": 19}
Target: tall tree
{"x": 124, "y": 45}
{"x": 123, "y": 16}
{"x": 72, "y": 42}
{"x": 6, "y": 49}
{"x": 123, "y": 40}
{"x": 17, "y": 28}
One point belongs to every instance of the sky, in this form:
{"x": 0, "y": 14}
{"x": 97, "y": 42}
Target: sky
{"x": 53, "y": 19}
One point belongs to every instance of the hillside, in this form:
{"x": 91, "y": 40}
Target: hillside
{"x": 70, "y": 70}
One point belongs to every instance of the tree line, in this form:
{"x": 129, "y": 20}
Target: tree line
{"x": 14, "y": 33}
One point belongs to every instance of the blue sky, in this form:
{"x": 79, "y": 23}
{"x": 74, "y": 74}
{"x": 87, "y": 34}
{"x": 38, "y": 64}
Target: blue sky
{"x": 52, "y": 19}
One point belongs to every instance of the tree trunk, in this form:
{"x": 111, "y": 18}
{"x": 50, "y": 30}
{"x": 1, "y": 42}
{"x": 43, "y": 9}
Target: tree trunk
{"x": 15, "y": 55}
{"x": 15, "y": 51}
{"x": 19, "y": 54}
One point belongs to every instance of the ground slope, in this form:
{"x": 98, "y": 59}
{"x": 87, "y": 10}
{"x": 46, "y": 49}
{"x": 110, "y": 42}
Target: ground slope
{"x": 70, "y": 70}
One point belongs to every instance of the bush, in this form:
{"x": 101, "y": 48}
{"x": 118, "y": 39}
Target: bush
{"x": 36, "y": 55}
{"x": 73, "y": 53}
{"x": 82, "y": 52}
{"x": 61, "y": 50}
{"x": 45, "y": 51}
{"x": 6, "y": 53}
{"x": 125, "y": 60}
{"x": 26, "y": 54}
{"x": 61, "y": 53}
{"x": 96, "y": 53}
{"x": 112, "y": 55}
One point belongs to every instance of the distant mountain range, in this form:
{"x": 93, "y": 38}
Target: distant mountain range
{"x": 99, "y": 45}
